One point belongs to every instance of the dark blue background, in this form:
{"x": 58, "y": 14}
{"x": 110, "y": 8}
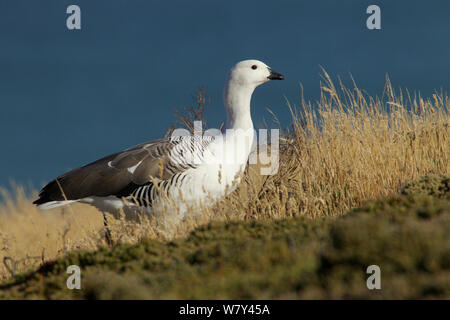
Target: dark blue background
{"x": 70, "y": 97}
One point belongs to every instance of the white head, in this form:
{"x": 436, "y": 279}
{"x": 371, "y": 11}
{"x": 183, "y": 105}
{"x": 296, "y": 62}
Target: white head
{"x": 243, "y": 78}
{"x": 252, "y": 73}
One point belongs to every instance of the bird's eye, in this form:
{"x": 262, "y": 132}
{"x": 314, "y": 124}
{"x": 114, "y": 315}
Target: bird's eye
{"x": 254, "y": 67}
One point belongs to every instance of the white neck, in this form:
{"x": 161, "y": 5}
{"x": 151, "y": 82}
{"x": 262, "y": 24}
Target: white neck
{"x": 239, "y": 130}
{"x": 237, "y": 99}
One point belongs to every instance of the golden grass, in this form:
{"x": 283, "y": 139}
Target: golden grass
{"x": 346, "y": 148}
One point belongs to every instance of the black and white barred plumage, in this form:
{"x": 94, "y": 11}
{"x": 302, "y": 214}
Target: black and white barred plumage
{"x": 137, "y": 174}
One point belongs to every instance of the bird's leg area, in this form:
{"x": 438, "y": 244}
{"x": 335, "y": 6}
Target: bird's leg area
{"x": 108, "y": 235}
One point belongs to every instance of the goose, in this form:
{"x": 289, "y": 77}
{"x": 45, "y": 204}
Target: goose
{"x": 175, "y": 173}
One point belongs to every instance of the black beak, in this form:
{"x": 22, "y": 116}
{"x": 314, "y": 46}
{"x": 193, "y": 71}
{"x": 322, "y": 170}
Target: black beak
{"x": 275, "y": 75}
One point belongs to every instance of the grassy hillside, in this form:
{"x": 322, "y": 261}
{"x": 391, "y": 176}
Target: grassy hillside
{"x": 407, "y": 236}
{"x": 346, "y": 149}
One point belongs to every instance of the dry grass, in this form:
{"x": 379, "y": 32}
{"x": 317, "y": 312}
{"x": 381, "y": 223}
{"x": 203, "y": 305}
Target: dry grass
{"x": 341, "y": 151}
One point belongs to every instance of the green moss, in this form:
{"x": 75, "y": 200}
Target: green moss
{"x": 436, "y": 185}
{"x": 407, "y": 236}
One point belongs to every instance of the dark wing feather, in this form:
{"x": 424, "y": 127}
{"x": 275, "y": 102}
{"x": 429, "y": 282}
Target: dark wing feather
{"x": 110, "y": 175}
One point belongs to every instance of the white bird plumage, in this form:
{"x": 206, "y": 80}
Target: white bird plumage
{"x": 189, "y": 171}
